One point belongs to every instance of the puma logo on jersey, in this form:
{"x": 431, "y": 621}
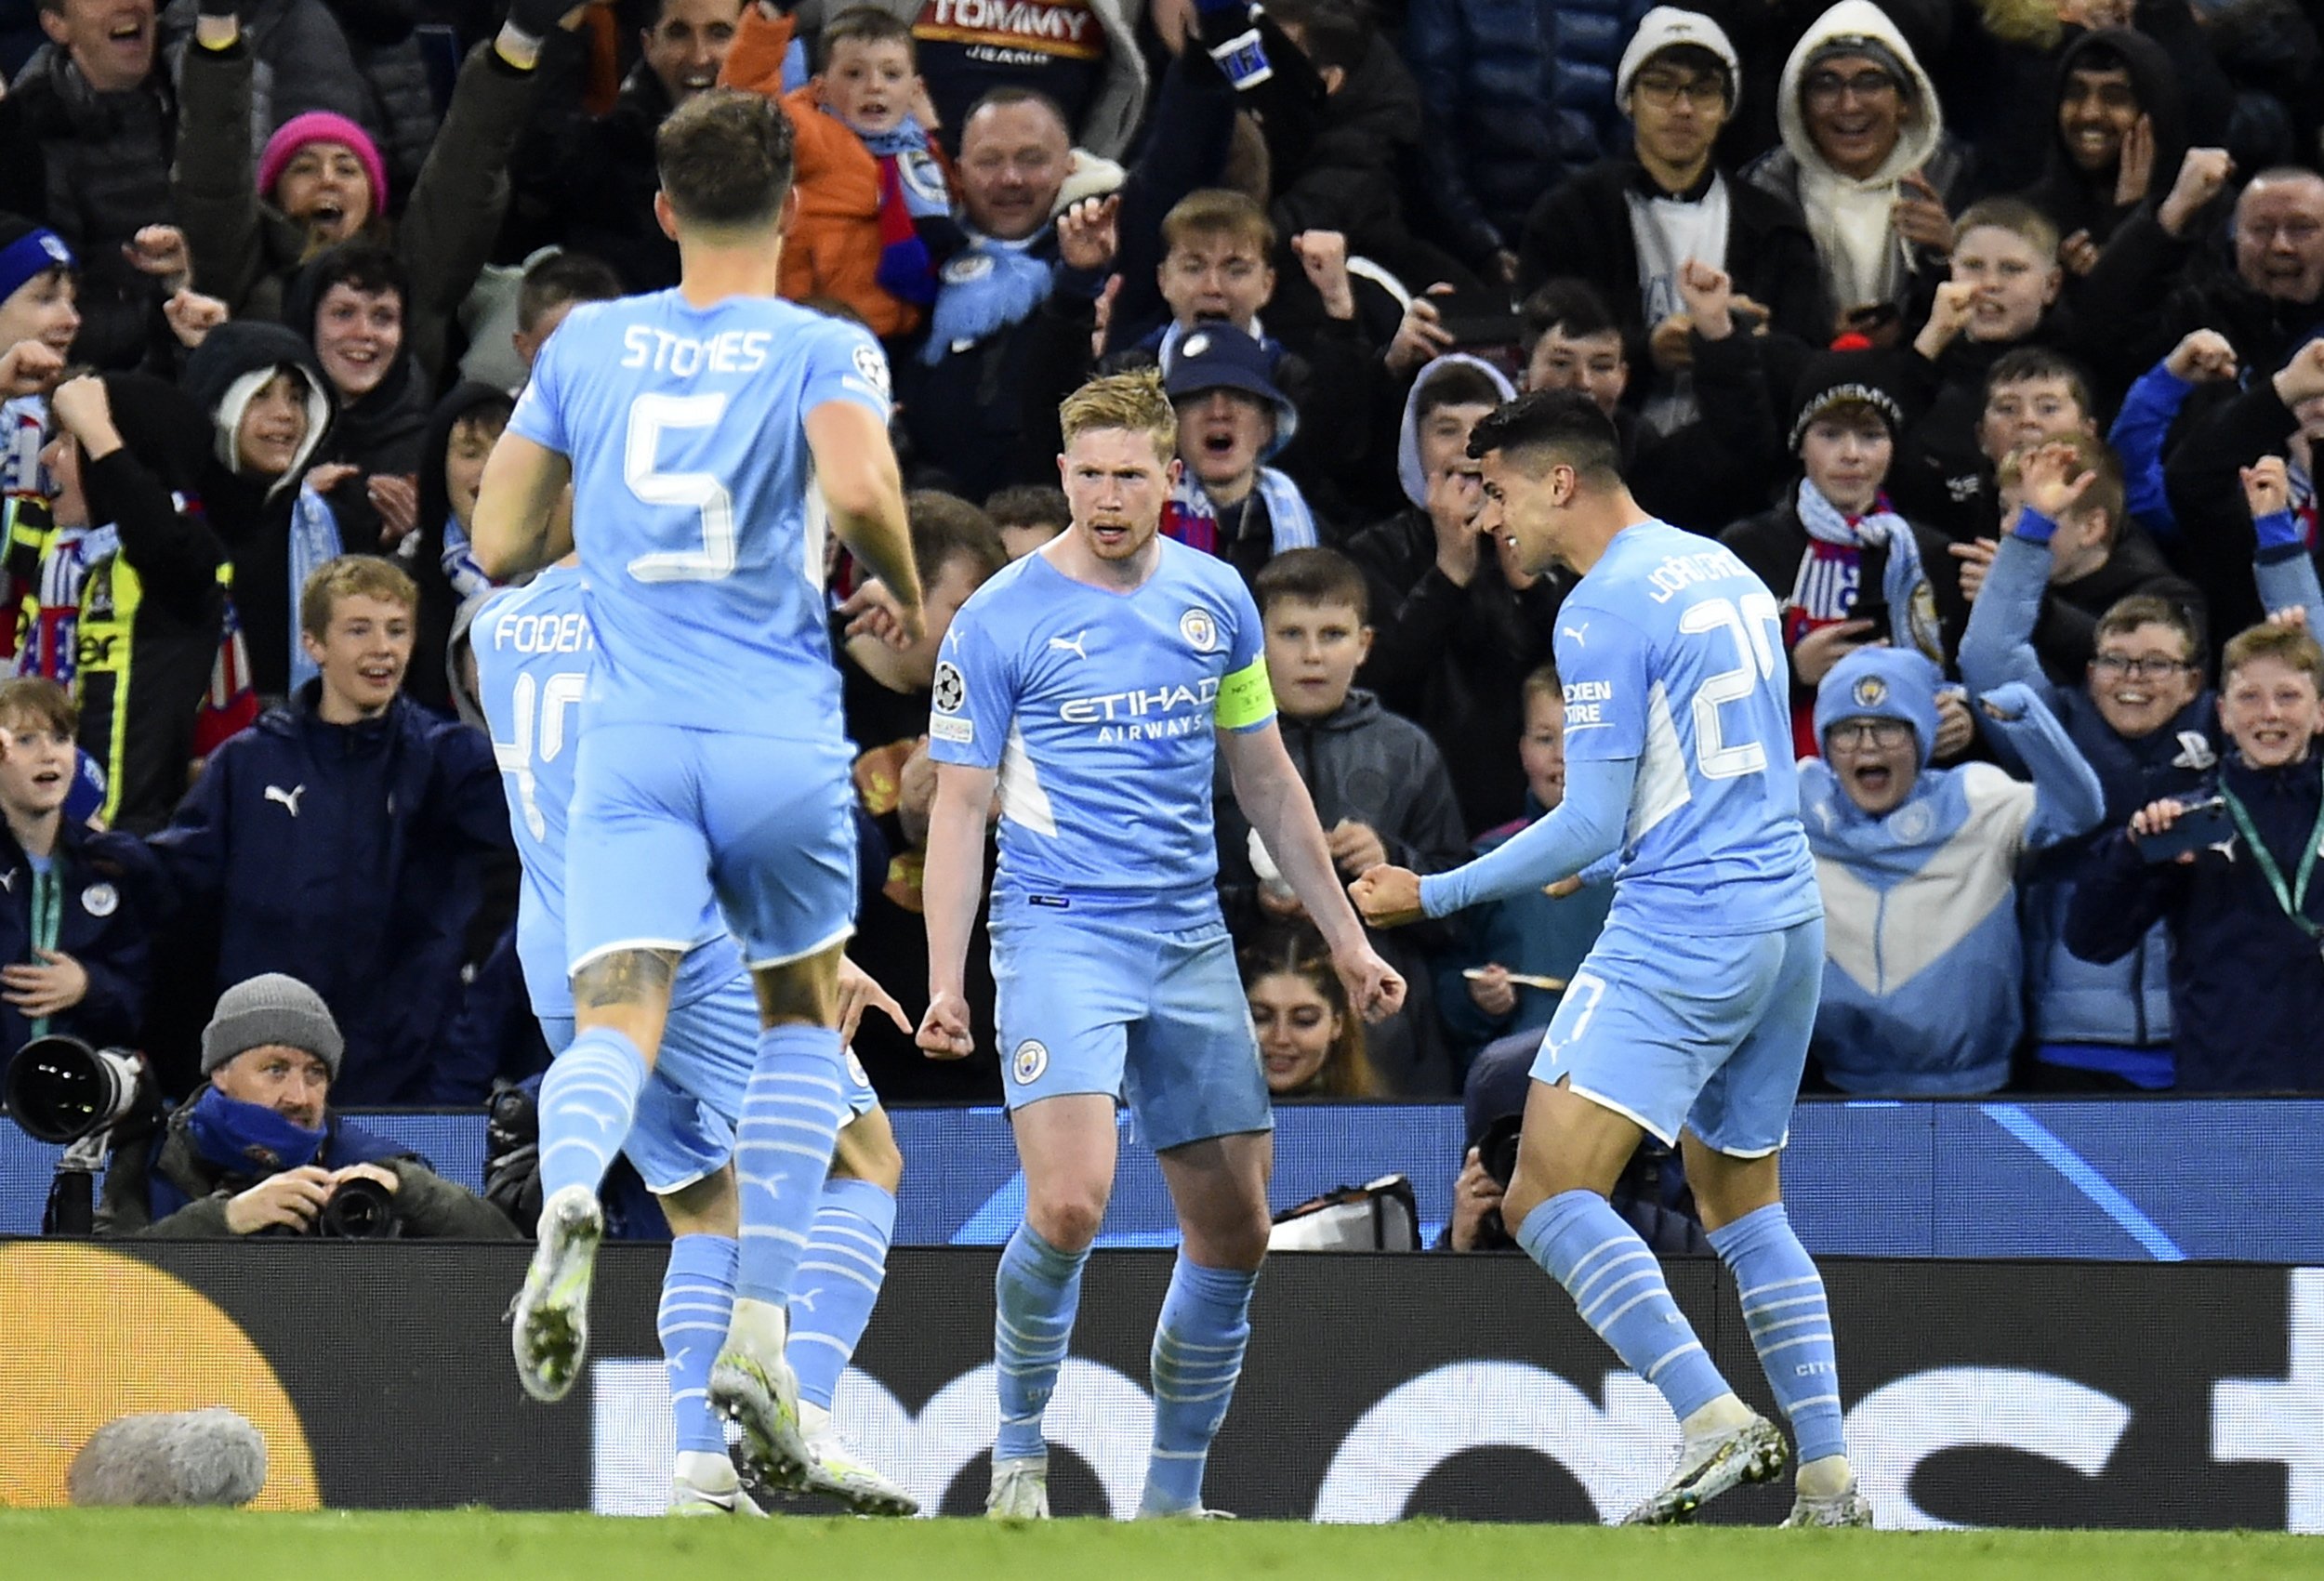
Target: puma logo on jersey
{"x": 1575, "y": 632}
{"x": 1073, "y": 647}
{"x": 287, "y": 798}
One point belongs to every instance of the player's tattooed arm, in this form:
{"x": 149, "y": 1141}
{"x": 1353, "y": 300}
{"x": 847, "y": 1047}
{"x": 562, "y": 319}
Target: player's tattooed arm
{"x": 626, "y": 976}
{"x": 520, "y": 523}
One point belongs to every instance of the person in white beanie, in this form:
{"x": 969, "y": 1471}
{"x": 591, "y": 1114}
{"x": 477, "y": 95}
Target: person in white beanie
{"x": 1629, "y": 223}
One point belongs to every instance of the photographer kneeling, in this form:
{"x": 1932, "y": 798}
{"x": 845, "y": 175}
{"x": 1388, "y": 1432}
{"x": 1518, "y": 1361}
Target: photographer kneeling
{"x": 256, "y": 1149}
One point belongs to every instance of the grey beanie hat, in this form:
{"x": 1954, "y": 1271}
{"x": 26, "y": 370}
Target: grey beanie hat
{"x": 272, "y": 1008}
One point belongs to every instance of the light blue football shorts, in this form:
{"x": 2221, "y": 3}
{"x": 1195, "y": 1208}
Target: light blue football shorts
{"x": 1153, "y": 1017}
{"x": 1708, "y": 1034}
{"x": 668, "y": 821}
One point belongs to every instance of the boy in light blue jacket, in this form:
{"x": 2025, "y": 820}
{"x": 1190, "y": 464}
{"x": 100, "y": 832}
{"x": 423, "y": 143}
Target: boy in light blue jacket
{"x": 1924, "y": 968}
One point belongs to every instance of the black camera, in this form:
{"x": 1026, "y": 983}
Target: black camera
{"x": 59, "y": 1089}
{"x": 359, "y": 1210}
{"x": 1497, "y": 1149}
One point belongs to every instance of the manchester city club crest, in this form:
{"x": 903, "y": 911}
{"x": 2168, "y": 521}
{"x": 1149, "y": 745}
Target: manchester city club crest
{"x": 1869, "y": 691}
{"x": 1027, "y": 1063}
{"x": 1200, "y": 631}
{"x": 952, "y": 688}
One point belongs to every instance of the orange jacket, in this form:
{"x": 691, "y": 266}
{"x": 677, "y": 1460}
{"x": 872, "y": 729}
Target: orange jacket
{"x": 832, "y": 248}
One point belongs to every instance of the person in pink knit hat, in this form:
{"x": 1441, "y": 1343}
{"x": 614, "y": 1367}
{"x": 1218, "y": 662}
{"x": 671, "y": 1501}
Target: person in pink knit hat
{"x": 323, "y": 172}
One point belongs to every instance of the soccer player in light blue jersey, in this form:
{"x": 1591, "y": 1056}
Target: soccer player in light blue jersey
{"x": 708, "y": 432}
{"x": 1690, "y": 1017}
{"x": 1097, "y": 681}
{"x": 533, "y": 647}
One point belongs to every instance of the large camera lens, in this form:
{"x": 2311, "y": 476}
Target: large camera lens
{"x": 357, "y": 1210}
{"x": 1497, "y": 1149}
{"x": 59, "y": 1089}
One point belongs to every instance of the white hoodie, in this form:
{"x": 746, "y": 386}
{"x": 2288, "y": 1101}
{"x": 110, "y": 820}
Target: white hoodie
{"x": 1863, "y": 256}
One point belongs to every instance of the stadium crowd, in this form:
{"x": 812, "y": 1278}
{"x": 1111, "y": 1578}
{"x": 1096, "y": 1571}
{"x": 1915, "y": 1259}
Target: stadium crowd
{"x": 1989, "y": 336}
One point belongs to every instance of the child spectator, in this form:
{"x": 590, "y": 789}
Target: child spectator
{"x": 1846, "y": 568}
{"x": 124, "y": 585}
{"x": 1530, "y": 935}
{"x": 2098, "y": 558}
{"x": 874, "y": 214}
{"x": 1451, "y": 635}
{"x": 38, "y": 321}
{"x": 1379, "y": 784}
{"x": 2247, "y": 981}
{"x": 2029, "y": 394}
{"x": 1924, "y": 973}
{"x": 550, "y": 290}
{"x": 271, "y": 408}
{"x": 75, "y": 904}
{"x": 1231, "y": 420}
{"x": 1309, "y": 1043}
{"x": 1028, "y": 515}
{"x": 451, "y": 454}
{"x": 341, "y": 838}
{"x": 2144, "y": 722}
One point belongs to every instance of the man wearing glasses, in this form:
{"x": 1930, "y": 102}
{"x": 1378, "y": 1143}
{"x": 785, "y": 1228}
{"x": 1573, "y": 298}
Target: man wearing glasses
{"x": 1628, "y": 224}
{"x": 1923, "y": 962}
{"x": 1866, "y": 158}
{"x": 2143, "y": 720}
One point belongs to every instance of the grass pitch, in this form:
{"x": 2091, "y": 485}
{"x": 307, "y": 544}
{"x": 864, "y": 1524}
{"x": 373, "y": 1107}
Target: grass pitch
{"x": 483, "y": 1546}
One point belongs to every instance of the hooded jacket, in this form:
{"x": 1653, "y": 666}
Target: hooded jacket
{"x": 1924, "y": 968}
{"x": 347, "y": 856}
{"x": 1453, "y": 657}
{"x": 250, "y": 514}
{"x": 2079, "y": 200}
{"x": 1863, "y": 258}
{"x": 143, "y": 597}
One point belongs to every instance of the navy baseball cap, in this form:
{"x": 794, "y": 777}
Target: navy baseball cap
{"x": 1219, "y": 356}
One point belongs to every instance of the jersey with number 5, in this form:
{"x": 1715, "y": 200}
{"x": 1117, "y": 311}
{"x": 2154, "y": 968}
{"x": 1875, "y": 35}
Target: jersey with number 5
{"x": 1672, "y": 653}
{"x": 694, "y": 510}
{"x": 533, "y": 651}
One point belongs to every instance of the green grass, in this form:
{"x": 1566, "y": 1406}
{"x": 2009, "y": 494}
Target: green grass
{"x": 482, "y": 1545}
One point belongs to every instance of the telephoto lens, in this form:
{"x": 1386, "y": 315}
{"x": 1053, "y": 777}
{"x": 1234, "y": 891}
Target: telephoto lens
{"x": 59, "y": 1089}
{"x": 359, "y": 1210}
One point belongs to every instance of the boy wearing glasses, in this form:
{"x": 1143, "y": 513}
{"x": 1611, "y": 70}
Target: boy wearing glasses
{"x": 1923, "y": 967}
{"x": 2147, "y": 726}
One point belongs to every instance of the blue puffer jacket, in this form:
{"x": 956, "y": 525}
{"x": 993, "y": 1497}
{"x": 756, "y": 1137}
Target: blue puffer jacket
{"x": 348, "y": 856}
{"x": 1519, "y": 94}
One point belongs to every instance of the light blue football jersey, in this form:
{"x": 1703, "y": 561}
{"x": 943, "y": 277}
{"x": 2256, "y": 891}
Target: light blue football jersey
{"x": 700, "y": 533}
{"x": 533, "y": 648}
{"x": 1099, "y": 710}
{"x": 1672, "y": 653}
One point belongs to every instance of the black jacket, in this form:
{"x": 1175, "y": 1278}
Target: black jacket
{"x": 94, "y": 167}
{"x": 2079, "y": 201}
{"x": 2247, "y": 985}
{"x": 2067, "y": 634}
{"x": 2150, "y": 290}
{"x": 348, "y": 856}
{"x": 1581, "y": 229}
{"x": 107, "y": 885}
{"x": 160, "y": 1185}
{"x": 2215, "y": 538}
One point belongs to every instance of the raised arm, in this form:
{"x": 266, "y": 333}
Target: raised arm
{"x": 1586, "y": 828}
{"x": 2281, "y": 566}
{"x": 2068, "y": 799}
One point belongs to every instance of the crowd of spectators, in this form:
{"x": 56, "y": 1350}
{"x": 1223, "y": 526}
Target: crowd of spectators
{"x": 1990, "y": 335}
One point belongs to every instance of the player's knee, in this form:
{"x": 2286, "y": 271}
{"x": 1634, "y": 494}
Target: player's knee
{"x": 1241, "y": 1246}
{"x": 868, "y": 1151}
{"x": 1068, "y": 1220}
{"x": 1528, "y": 1190}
